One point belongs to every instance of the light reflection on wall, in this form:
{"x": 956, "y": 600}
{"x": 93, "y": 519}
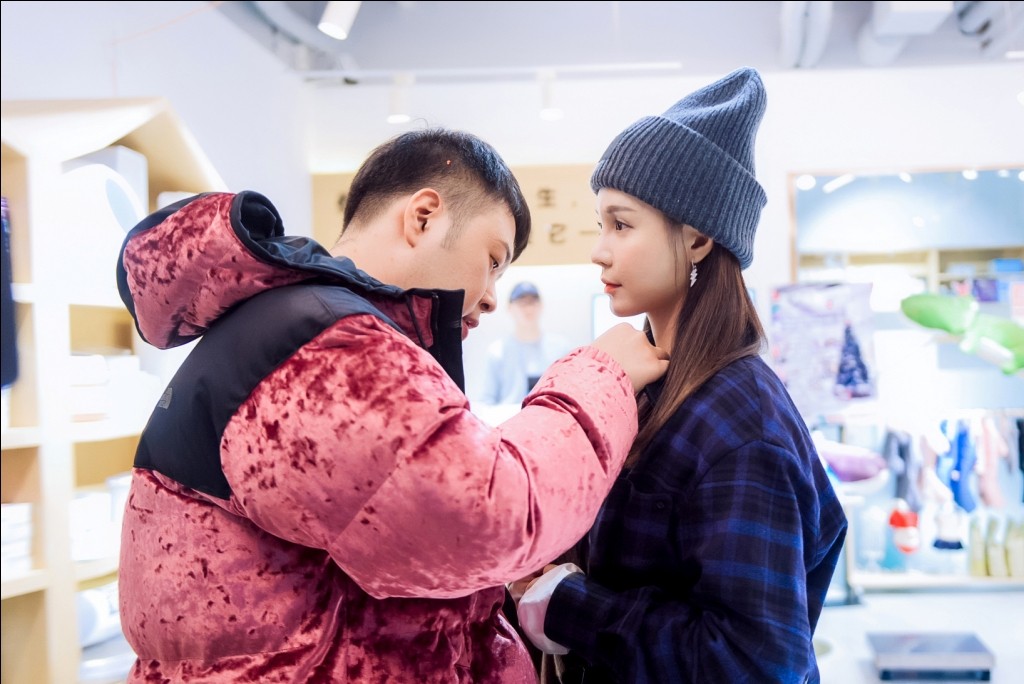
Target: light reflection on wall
{"x": 906, "y": 211}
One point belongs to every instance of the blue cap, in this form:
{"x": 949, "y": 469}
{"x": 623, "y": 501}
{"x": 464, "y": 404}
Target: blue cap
{"x": 524, "y": 289}
{"x": 695, "y": 162}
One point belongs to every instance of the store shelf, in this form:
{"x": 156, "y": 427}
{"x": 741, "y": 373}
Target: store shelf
{"x": 887, "y": 581}
{"x": 68, "y": 305}
{"x": 88, "y": 570}
{"x": 107, "y": 429}
{"x": 27, "y": 583}
{"x": 20, "y": 437}
{"x": 946, "y": 277}
{"x": 23, "y": 293}
{"x": 935, "y": 268}
{"x": 110, "y": 300}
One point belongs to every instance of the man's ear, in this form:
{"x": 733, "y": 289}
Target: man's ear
{"x": 421, "y": 210}
{"x": 698, "y": 243}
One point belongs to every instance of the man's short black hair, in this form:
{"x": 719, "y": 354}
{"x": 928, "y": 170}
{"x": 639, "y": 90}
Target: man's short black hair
{"x": 467, "y": 171}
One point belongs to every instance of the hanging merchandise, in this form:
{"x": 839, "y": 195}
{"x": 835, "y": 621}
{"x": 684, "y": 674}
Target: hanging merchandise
{"x": 997, "y": 340}
{"x": 947, "y": 528}
{"x": 906, "y": 534}
{"x": 1015, "y": 548}
{"x": 961, "y": 476}
{"x": 992, "y": 448}
{"x": 977, "y": 562}
{"x": 873, "y": 538}
{"x": 852, "y": 380}
{"x": 995, "y": 550}
{"x": 941, "y": 312}
{"x": 849, "y": 463}
{"x": 1020, "y": 449}
{"x": 905, "y": 466}
{"x": 932, "y": 443}
{"x": 956, "y": 467}
{"x": 822, "y": 344}
{"x": 8, "y": 348}
{"x": 994, "y": 339}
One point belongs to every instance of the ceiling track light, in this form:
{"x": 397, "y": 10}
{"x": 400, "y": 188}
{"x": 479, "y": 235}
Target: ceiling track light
{"x": 549, "y": 111}
{"x": 398, "y": 99}
{"x": 336, "y": 20}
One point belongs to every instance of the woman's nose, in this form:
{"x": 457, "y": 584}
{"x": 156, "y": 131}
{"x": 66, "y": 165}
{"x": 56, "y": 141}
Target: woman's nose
{"x": 600, "y": 254}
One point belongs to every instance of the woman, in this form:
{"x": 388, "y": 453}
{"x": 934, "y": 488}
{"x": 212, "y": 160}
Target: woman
{"x": 711, "y": 557}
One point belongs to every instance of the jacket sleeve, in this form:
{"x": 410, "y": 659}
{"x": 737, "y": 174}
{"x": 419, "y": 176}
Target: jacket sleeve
{"x": 360, "y": 444}
{"x": 745, "y": 618}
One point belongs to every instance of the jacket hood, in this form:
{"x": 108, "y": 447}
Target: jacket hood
{"x": 181, "y": 268}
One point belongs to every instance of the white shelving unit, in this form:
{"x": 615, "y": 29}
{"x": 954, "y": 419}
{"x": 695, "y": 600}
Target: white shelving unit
{"x": 47, "y": 457}
{"x": 937, "y": 268}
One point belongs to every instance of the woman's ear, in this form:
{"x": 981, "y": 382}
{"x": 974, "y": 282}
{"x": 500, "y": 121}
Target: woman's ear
{"x": 698, "y": 244}
{"x": 422, "y": 208}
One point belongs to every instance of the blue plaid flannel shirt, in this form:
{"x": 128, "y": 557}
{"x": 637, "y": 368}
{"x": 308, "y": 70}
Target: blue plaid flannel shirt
{"x": 710, "y": 560}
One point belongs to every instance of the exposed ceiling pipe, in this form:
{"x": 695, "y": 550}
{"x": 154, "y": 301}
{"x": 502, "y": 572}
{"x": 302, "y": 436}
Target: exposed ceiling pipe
{"x": 892, "y": 25}
{"x": 280, "y": 15}
{"x": 975, "y": 18}
{"x": 995, "y": 25}
{"x": 311, "y": 50}
{"x": 804, "y": 32}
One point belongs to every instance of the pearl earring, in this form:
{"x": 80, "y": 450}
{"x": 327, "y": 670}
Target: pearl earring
{"x": 693, "y": 274}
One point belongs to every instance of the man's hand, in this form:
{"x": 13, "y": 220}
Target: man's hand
{"x": 643, "y": 362}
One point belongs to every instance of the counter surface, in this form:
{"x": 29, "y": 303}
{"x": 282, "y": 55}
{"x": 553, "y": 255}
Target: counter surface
{"x": 996, "y": 617}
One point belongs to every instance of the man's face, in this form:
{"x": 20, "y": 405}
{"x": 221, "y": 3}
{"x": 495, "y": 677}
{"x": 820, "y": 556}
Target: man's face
{"x": 474, "y": 261}
{"x": 525, "y": 309}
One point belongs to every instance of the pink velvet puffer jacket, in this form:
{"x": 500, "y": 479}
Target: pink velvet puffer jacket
{"x": 312, "y": 499}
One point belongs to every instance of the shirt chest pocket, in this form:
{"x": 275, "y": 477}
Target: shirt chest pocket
{"x": 634, "y": 532}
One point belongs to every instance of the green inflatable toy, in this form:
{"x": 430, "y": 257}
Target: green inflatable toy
{"x": 952, "y": 314}
{"x": 997, "y": 340}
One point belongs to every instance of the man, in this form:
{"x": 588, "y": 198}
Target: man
{"x": 516, "y": 361}
{"x": 312, "y": 499}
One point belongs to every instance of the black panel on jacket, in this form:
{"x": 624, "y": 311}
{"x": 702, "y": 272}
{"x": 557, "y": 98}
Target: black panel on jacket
{"x": 182, "y": 438}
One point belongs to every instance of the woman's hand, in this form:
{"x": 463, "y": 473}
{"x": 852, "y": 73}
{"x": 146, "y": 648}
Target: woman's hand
{"x": 519, "y": 587}
{"x": 533, "y": 607}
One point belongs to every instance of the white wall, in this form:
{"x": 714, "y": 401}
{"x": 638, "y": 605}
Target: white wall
{"x": 245, "y": 110}
{"x": 817, "y": 121}
{"x": 863, "y": 119}
{"x": 263, "y": 129}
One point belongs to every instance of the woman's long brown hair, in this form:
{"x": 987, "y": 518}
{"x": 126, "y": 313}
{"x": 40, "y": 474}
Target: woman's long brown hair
{"x": 718, "y": 324}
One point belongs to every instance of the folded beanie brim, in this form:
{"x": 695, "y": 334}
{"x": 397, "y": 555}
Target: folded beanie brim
{"x": 688, "y": 178}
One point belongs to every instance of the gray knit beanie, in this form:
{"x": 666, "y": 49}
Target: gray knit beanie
{"x": 695, "y": 162}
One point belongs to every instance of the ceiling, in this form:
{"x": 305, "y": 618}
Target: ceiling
{"x": 467, "y": 41}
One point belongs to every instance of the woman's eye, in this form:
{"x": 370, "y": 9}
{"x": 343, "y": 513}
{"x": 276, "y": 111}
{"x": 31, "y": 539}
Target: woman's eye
{"x": 619, "y": 225}
{"x": 494, "y": 264}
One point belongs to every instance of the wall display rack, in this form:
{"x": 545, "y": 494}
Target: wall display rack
{"x": 56, "y": 444}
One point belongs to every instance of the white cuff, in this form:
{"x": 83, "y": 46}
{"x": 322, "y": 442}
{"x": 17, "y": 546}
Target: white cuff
{"x": 533, "y": 607}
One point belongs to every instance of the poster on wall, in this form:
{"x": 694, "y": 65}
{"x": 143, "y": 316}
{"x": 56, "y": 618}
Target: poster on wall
{"x": 821, "y": 344}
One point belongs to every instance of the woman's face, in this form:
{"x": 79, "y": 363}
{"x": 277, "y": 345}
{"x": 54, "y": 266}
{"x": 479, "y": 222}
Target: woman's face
{"x": 642, "y": 257}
